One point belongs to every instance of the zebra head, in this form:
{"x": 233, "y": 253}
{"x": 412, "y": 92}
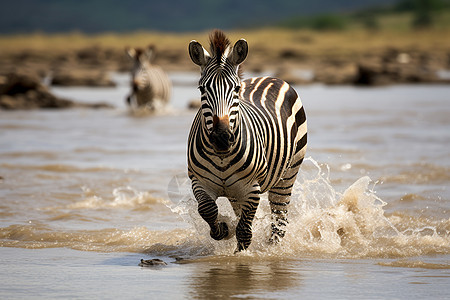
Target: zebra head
{"x": 142, "y": 60}
{"x": 219, "y": 86}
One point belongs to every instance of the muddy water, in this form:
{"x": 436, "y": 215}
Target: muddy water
{"x": 85, "y": 194}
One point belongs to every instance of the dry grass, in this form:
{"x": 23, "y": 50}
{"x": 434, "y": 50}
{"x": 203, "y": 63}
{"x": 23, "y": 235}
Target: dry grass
{"x": 311, "y": 43}
{"x": 74, "y": 41}
{"x": 269, "y": 48}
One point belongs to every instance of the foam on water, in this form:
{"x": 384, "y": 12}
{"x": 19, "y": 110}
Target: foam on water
{"x": 123, "y": 197}
{"x": 323, "y": 223}
{"x": 326, "y": 223}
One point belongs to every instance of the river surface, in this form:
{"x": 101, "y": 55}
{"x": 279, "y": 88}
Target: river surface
{"x": 86, "y": 194}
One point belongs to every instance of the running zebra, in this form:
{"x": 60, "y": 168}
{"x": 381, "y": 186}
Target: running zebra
{"x": 150, "y": 85}
{"x": 248, "y": 137}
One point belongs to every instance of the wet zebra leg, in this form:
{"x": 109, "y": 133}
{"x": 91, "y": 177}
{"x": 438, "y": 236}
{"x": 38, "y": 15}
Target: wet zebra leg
{"x": 244, "y": 227}
{"x": 208, "y": 210}
{"x": 280, "y": 196}
{"x": 279, "y": 208}
{"x": 279, "y": 199}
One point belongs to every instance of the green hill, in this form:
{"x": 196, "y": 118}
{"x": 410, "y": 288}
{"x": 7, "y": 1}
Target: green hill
{"x": 95, "y": 16}
{"x": 402, "y": 15}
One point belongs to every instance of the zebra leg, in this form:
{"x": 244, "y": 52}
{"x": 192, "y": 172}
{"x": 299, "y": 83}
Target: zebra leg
{"x": 279, "y": 199}
{"x": 208, "y": 210}
{"x": 280, "y": 195}
{"x": 279, "y": 207}
{"x": 244, "y": 226}
{"x": 129, "y": 98}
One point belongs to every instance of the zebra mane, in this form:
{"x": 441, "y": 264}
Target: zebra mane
{"x": 219, "y": 43}
{"x": 139, "y": 52}
{"x": 148, "y": 52}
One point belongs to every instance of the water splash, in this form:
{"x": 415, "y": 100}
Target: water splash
{"x": 123, "y": 197}
{"x": 322, "y": 223}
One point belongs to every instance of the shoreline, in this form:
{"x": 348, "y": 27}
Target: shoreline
{"x": 335, "y": 57}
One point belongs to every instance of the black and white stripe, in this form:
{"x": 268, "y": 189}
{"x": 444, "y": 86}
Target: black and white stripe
{"x": 248, "y": 138}
{"x": 150, "y": 86}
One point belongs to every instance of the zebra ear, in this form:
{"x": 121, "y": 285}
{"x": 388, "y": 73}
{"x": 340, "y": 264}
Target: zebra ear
{"x": 130, "y": 52}
{"x": 150, "y": 53}
{"x": 198, "y": 54}
{"x": 240, "y": 51}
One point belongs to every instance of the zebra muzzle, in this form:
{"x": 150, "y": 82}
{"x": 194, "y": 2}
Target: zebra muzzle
{"x": 221, "y": 137}
{"x": 135, "y": 86}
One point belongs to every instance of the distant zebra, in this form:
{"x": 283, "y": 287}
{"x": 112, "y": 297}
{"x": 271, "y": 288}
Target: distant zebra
{"x": 150, "y": 85}
{"x": 247, "y": 138}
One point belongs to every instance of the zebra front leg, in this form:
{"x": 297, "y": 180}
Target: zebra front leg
{"x": 208, "y": 210}
{"x": 244, "y": 227}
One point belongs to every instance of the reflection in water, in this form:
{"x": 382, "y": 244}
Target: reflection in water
{"x": 241, "y": 278}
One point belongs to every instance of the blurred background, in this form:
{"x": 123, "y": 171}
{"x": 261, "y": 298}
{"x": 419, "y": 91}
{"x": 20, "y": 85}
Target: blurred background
{"x": 371, "y": 42}
{"x": 97, "y": 16}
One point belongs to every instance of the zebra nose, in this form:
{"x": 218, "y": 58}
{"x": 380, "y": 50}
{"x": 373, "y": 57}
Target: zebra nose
{"x": 135, "y": 85}
{"x": 221, "y": 121}
{"x": 221, "y": 137}
{"x": 222, "y": 141}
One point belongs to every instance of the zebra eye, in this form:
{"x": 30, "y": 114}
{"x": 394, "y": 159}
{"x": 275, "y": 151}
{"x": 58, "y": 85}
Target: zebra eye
{"x": 237, "y": 89}
{"x": 202, "y": 89}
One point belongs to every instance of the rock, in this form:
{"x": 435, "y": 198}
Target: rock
{"x": 82, "y": 78}
{"x": 293, "y": 54}
{"x": 288, "y": 75}
{"x": 33, "y": 100}
{"x": 194, "y": 104}
{"x": 335, "y": 74}
{"x": 370, "y": 73}
{"x": 152, "y": 262}
{"x": 23, "y": 91}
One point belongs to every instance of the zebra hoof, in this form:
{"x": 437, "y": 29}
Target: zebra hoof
{"x": 277, "y": 235}
{"x": 242, "y": 246}
{"x": 221, "y": 232}
{"x": 274, "y": 239}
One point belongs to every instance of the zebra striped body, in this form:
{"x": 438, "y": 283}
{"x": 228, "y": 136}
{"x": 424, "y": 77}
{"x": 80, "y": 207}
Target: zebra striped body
{"x": 260, "y": 151}
{"x": 150, "y": 85}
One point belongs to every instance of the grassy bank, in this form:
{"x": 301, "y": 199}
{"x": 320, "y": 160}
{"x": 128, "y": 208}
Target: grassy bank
{"x": 311, "y": 43}
{"x": 335, "y": 56}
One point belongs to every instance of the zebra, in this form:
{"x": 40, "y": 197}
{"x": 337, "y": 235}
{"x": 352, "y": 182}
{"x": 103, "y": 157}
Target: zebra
{"x": 150, "y": 85}
{"x": 248, "y": 137}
